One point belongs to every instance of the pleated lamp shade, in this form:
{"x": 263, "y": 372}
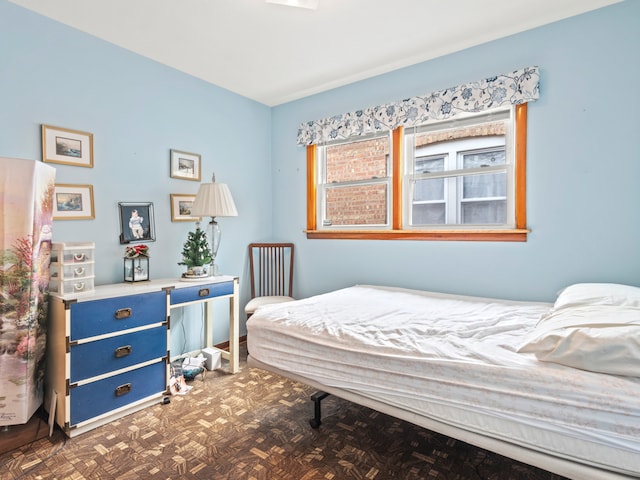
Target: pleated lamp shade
{"x": 214, "y": 200}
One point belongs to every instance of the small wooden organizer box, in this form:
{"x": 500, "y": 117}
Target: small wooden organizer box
{"x": 72, "y": 267}
{"x": 108, "y": 351}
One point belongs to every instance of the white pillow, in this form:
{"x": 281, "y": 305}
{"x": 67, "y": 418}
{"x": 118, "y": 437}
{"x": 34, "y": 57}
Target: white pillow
{"x": 598, "y": 294}
{"x": 598, "y": 338}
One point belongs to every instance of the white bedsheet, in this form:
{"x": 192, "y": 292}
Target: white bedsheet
{"x": 454, "y": 359}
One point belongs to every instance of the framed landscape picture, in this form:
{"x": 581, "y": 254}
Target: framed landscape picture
{"x": 73, "y": 202}
{"x": 185, "y": 165}
{"x": 66, "y": 146}
{"x": 181, "y": 208}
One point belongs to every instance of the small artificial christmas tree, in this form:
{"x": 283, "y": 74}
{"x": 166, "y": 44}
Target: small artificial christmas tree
{"x": 196, "y": 251}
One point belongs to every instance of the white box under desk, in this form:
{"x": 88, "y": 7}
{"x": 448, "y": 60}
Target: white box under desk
{"x": 108, "y": 350}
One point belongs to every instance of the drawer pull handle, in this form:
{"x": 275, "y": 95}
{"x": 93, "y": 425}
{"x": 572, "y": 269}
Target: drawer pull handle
{"x": 123, "y": 351}
{"x": 78, "y": 287}
{"x": 78, "y": 257}
{"x": 203, "y": 292}
{"x": 123, "y": 389}
{"x": 79, "y": 271}
{"x": 123, "y": 313}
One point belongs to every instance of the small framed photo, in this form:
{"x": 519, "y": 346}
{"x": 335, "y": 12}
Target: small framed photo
{"x": 73, "y": 202}
{"x": 185, "y": 165}
{"x": 181, "y": 208}
{"x": 136, "y": 222}
{"x": 68, "y": 147}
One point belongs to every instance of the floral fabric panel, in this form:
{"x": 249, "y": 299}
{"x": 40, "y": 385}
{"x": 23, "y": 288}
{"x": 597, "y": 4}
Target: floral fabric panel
{"x": 517, "y": 87}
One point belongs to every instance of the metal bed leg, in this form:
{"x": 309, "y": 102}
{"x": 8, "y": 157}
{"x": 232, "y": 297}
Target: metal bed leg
{"x": 317, "y": 398}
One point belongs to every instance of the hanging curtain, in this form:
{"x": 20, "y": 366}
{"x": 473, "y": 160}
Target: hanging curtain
{"x": 520, "y": 86}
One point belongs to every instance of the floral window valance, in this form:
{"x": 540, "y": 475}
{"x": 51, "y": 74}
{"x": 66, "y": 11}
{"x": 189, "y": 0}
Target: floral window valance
{"x": 514, "y": 88}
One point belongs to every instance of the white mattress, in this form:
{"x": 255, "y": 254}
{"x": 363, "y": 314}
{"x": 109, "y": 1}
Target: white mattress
{"x": 453, "y": 359}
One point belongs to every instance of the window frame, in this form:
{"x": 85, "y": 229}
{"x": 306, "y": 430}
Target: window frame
{"x": 516, "y": 234}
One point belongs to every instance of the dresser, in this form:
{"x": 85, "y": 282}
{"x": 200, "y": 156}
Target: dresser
{"x": 108, "y": 350}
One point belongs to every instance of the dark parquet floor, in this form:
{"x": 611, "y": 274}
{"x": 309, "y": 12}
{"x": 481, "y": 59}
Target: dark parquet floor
{"x": 255, "y": 425}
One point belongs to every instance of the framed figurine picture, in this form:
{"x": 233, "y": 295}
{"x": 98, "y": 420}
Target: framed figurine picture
{"x": 185, "y": 165}
{"x": 73, "y": 202}
{"x": 136, "y": 222}
{"x": 66, "y": 146}
{"x": 181, "y": 208}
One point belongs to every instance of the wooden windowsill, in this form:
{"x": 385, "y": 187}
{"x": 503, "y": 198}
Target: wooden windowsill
{"x": 513, "y": 235}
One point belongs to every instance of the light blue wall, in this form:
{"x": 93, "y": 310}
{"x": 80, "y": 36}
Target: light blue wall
{"x": 137, "y": 110}
{"x": 582, "y": 174}
{"x": 583, "y": 160}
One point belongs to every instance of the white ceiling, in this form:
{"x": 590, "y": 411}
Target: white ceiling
{"x": 275, "y": 54}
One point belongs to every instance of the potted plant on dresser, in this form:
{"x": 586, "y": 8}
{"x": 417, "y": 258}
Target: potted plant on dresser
{"x": 196, "y": 254}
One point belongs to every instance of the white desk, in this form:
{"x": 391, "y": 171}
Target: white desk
{"x": 208, "y": 290}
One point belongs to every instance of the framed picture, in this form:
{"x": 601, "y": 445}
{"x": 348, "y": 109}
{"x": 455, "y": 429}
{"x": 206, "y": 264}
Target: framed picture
{"x": 69, "y": 147}
{"x": 185, "y": 165}
{"x": 73, "y": 202}
{"x": 136, "y": 222}
{"x": 181, "y": 208}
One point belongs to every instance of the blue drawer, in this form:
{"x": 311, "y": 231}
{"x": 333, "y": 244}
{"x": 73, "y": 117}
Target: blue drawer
{"x": 199, "y": 292}
{"x": 97, "y": 317}
{"x": 111, "y": 354}
{"x": 93, "y": 399}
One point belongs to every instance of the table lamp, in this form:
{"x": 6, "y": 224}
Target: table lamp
{"x": 214, "y": 200}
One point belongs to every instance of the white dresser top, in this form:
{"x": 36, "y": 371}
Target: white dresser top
{"x": 134, "y": 288}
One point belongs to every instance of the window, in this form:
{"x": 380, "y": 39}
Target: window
{"x": 355, "y": 183}
{"x": 463, "y": 179}
{"x": 459, "y": 173}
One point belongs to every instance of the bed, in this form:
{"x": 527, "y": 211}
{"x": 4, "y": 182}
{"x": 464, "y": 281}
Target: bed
{"x": 554, "y": 385}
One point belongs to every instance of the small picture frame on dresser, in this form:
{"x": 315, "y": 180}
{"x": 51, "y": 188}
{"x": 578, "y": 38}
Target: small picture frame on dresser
{"x": 136, "y": 222}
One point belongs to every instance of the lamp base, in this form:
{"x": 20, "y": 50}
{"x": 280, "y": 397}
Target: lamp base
{"x": 213, "y": 270}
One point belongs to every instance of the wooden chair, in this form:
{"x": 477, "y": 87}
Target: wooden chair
{"x": 271, "y": 274}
